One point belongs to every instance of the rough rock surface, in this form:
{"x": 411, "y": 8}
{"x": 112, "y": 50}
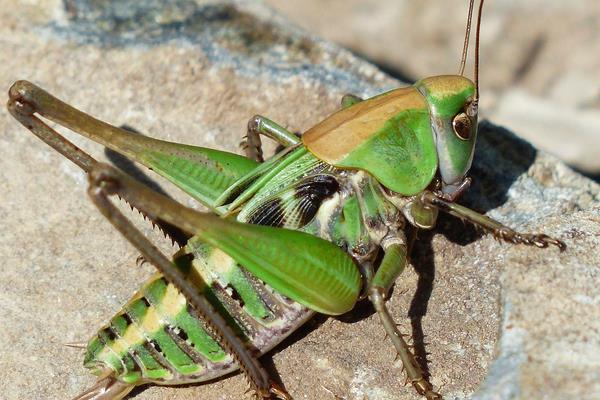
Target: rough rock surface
{"x": 500, "y": 322}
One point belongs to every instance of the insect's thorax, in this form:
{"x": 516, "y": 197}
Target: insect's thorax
{"x": 347, "y": 207}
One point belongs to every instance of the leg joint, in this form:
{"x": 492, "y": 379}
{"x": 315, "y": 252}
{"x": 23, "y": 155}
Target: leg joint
{"x": 17, "y": 107}
{"x": 22, "y": 98}
{"x": 254, "y": 123}
{"x": 397, "y": 238}
{"x": 377, "y": 296}
{"x": 22, "y": 91}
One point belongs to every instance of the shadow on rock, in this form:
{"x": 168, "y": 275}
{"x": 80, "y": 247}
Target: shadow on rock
{"x": 500, "y": 158}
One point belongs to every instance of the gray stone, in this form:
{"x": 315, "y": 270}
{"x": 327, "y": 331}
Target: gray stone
{"x": 500, "y": 321}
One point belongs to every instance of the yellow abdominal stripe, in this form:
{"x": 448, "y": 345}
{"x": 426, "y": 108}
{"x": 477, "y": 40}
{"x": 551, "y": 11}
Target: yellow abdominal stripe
{"x": 155, "y": 318}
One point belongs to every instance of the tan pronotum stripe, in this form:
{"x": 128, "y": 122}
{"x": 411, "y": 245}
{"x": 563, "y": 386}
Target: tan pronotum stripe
{"x": 335, "y": 137}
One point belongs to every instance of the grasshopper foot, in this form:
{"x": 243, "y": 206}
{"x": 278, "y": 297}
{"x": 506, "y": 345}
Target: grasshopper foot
{"x": 274, "y": 391}
{"x": 279, "y": 392}
{"x": 424, "y": 388}
{"x": 530, "y": 239}
{"x": 414, "y": 373}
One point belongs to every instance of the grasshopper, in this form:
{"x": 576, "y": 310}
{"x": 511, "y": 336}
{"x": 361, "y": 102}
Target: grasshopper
{"x": 298, "y": 233}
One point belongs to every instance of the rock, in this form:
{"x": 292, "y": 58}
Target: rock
{"x": 500, "y": 321}
{"x": 570, "y": 133}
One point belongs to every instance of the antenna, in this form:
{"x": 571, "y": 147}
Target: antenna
{"x": 463, "y": 60}
{"x": 476, "y": 72}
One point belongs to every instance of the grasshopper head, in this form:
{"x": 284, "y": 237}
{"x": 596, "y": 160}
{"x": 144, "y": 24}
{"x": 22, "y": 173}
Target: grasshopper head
{"x": 453, "y": 101}
{"x": 453, "y": 109}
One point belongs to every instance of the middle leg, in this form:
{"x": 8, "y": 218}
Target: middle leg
{"x": 392, "y": 265}
{"x": 259, "y": 125}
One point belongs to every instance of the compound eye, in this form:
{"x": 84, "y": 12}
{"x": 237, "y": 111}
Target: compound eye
{"x": 462, "y": 126}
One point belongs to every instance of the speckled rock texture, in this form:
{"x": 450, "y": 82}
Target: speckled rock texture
{"x": 496, "y": 321}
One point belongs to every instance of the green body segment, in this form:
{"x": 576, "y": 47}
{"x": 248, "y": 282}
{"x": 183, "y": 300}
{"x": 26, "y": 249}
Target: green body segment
{"x": 405, "y": 136}
{"x": 157, "y": 338}
{"x": 143, "y": 341}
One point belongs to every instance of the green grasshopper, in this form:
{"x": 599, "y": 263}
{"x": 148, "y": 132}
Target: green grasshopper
{"x": 287, "y": 237}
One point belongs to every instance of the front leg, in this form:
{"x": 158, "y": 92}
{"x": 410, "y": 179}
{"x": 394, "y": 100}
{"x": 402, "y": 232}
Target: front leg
{"x": 497, "y": 229}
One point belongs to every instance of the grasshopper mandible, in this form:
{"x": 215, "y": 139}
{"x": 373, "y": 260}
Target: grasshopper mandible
{"x": 286, "y": 237}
